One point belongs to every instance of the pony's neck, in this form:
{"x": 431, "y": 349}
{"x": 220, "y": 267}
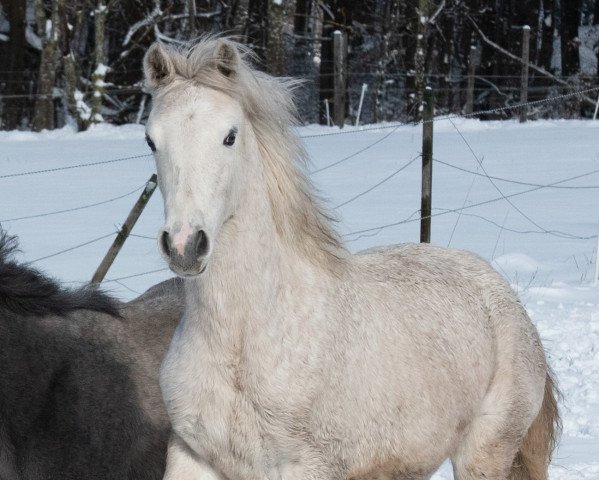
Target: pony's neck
{"x": 260, "y": 254}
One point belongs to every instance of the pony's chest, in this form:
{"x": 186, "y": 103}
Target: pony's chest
{"x": 215, "y": 411}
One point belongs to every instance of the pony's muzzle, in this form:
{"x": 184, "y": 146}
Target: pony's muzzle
{"x": 186, "y": 252}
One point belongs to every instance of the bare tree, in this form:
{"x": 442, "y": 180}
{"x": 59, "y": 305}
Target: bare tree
{"x": 99, "y": 74}
{"x": 13, "y": 65}
{"x": 49, "y": 31}
{"x": 275, "y": 36}
{"x": 596, "y": 23}
{"x": 239, "y": 18}
{"x": 570, "y": 43}
{"x": 547, "y": 26}
{"x": 73, "y": 25}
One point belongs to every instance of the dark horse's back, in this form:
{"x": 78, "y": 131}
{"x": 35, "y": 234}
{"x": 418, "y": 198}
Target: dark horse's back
{"x": 79, "y": 393}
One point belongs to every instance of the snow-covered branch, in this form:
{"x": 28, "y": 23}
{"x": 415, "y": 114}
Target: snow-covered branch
{"x": 165, "y": 38}
{"x": 145, "y": 22}
{"x": 437, "y": 13}
{"x": 157, "y": 16}
{"x": 33, "y": 40}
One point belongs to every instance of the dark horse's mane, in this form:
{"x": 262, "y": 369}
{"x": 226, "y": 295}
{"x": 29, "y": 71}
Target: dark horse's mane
{"x": 26, "y": 291}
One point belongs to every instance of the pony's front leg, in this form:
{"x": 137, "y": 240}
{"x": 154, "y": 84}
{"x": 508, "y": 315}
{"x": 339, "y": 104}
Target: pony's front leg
{"x": 183, "y": 464}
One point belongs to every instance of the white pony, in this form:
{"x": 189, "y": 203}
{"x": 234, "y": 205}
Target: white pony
{"x": 297, "y": 360}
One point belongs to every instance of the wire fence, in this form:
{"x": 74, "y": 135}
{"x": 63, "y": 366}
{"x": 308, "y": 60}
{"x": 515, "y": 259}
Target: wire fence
{"x": 355, "y": 235}
{"x": 394, "y": 126}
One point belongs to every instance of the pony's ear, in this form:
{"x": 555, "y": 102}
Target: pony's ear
{"x": 158, "y": 67}
{"x": 227, "y": 58}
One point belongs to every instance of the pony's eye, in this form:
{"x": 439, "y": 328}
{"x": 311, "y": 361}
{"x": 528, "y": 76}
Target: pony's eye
{"x": 150, "y": 143}
{"x": 230, "y": 140}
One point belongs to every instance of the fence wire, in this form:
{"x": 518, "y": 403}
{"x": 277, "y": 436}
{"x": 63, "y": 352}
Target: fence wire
{"x": 74, "y": 247}
{"x": 74, "y": 209}
{"x": 368, "y": 232}
{"x": 411, "y": 218}
{"x": 70, "y": 167}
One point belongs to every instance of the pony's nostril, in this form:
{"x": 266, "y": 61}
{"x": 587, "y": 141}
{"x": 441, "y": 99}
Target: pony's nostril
{"x": 164, "y": 243}
{"x": 201, "y": 244}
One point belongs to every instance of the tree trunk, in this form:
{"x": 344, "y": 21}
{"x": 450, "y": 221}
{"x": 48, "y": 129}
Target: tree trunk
{"x": 69, "y": 66}
{"x": 239, "y": 13}
{"x": 257, "y": 27}
{"x": 596, "y": 23}
{"x": 48, "y": 31}
{"x": 70, "y": 36}
{"x": 547, "y": 26}
{"x": 191, "y": 11}
{"x": 570, "y": 20}
{"x": 13, "y": 66}
{"x": 304, "y": 48}
{"x": 100, "y": 60}
{"x": 456, "y": 63}
{"x": 275, "y": 41}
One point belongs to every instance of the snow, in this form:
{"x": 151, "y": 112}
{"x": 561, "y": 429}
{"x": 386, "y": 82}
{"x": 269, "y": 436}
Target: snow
{"x": 547, "y": 252}
{"x": 589, "y": 42}
{"x": 101, "y": 70}
{"x": 82, "y": 108}
{"x": 32, "y": 38}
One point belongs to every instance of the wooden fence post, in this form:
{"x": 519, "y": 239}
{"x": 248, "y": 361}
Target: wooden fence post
{"x": 472, "y": 64}
{"x": 339, "y": 74}
{"x": 125, "y": 230}
{"x": 524, "y": 83}
{"x": 428, "y": 112}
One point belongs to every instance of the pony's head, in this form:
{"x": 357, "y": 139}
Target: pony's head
{"x": 195, "y": 130}
{"x": 216, "y": 121}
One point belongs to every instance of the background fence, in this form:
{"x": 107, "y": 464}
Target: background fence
{"x": 369, "y": 173}
{"x": 384, "y": 98}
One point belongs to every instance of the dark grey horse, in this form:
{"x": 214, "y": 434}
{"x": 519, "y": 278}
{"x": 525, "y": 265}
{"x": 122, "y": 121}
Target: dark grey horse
{"x": 79, "y": 393}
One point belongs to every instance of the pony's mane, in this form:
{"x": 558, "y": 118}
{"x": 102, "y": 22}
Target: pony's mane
{"x": 26, "y": 291}
{"x": 268, "y": 102}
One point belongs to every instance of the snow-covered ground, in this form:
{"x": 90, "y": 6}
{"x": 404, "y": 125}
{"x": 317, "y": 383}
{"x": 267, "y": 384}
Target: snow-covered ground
{"x": 543, "y": 239}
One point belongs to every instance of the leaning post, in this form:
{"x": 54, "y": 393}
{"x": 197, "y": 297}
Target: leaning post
{"x": 125, "y": 230}
{"x": 428, "y": 112}
{"x": 524, "y": 80}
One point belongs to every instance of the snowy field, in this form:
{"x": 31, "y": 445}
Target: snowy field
{"x": 542, "y": 237}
